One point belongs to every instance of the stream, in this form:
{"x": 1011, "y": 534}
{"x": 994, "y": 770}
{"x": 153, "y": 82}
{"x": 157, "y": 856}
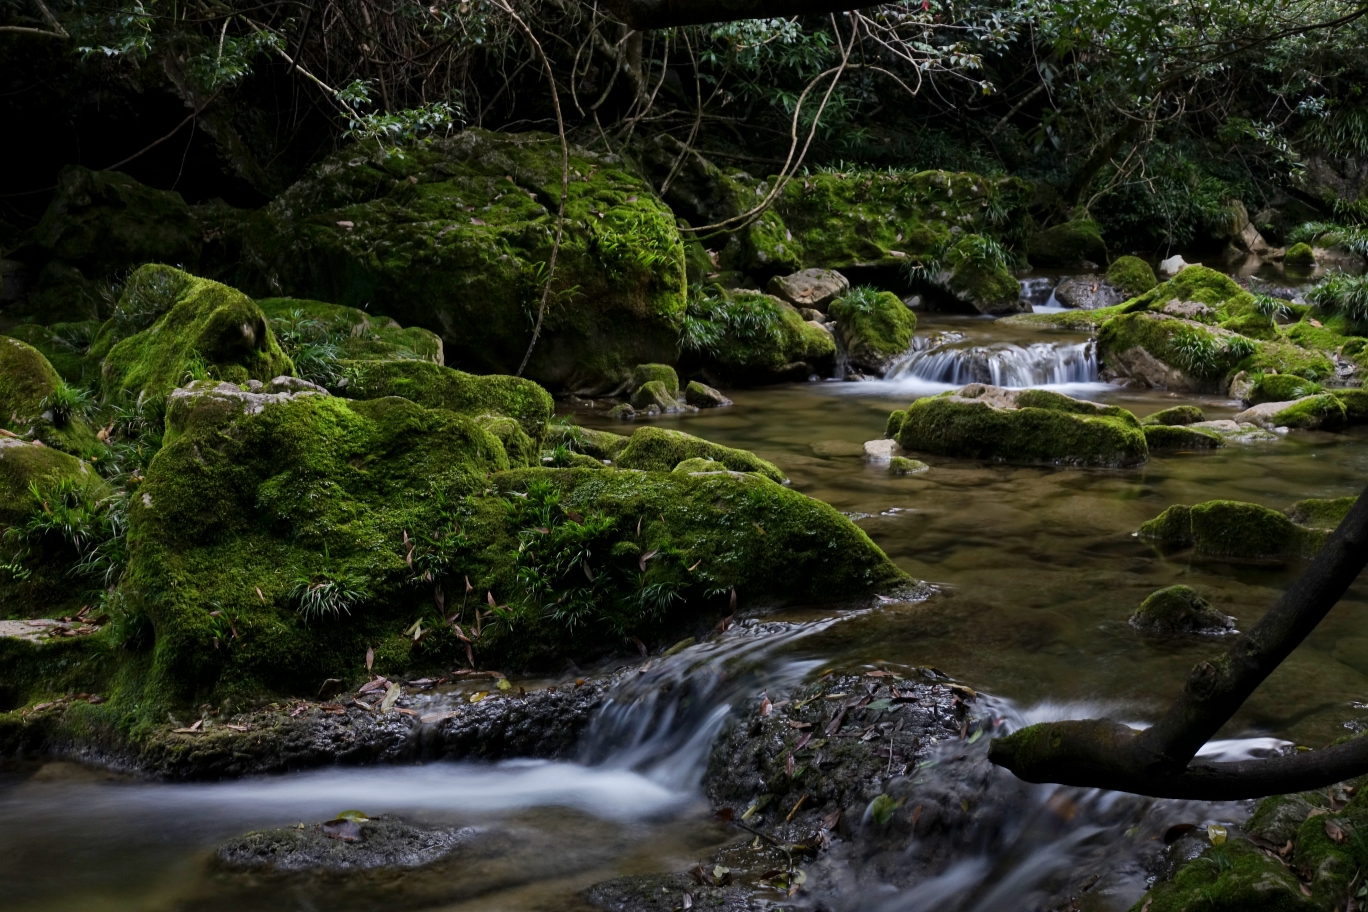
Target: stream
{"x": 1035, "y": 571}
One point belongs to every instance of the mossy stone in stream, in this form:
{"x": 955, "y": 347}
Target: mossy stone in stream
{"x": 769, "y": 341}
{"x": 1168, "y": 437}
{"x": 876, "y": 327}
{"x": 901, "y": 465}
{"x": 1323, "y": 412}
{"x": 588, "y": 441}
{"x": 1029, "y": 426}
{"x": 1235, "y": 877}
{"x": 699, "y": 464}
{"x": 1355, "y": 403}
{"x": 435, "y": 386}
{"x": 1321, "y": 513}
{"x": 28, "y": 386}
{"x": 660, "y": 450}
{"x": 1069, "y": 244}
{"x": 1280, "y": 388}
{"x": 196, "y": 327}
{"x": 654, "y": 393}
{"x": 645, "y": 373}
{"x": 1231, "y": 529}
{"x": 1300, "y": 254}
{"x": 1176, "y": 416}
{"x": 1131, "y": 276}
{"x": 988, "y": 287}
{"x": 378, "y": 842}
{"x": 1252, "y": 325}
{"x": 1178, "y": 610}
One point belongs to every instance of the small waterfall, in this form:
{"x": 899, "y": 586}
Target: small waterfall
{"x": 1006, "y": 364}
{"x": 1039, "y": 292}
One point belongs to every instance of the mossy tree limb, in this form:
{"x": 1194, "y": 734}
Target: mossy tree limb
{"x": 1102, "y": 753}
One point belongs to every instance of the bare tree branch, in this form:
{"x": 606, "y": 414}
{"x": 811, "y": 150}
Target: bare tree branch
{"x": 654, "y": 14}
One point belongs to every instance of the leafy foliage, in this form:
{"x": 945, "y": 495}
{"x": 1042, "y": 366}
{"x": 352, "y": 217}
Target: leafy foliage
{"x": 79, "y": 518}
{"x": 744, "y": 318}
{"x": 1342, "y": 294}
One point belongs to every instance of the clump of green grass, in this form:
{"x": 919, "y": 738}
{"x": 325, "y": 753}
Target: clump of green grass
{"x": 1342, "y": 294}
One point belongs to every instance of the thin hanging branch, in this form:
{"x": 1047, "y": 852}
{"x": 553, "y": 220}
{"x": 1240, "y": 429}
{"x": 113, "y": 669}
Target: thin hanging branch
{"x": 565, "y": 184}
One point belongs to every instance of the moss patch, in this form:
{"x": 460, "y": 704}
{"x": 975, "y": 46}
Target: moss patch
{"x": 1300, "y": 254}
{"x": 1068, "y": 244}
{"x": 876, "y": 328}
{"x": 1230, "y": 529}
{"x": 1131, "y": 276}
{"x": 1178, "y": 610}
{"x": 1167, "y": 437}
{"x": 1176, "y": 416}
{"x": 660, "y": 450}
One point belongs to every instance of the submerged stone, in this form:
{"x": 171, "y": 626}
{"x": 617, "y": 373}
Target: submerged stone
{"x": 1087, "y": 292}
{"x": 1231, "y": 529}
{"x": 1176, "y": 416}
{"x": 1179, "y": 610}
{"x": 378, "y": 842}
{"x": 700, "y": 395}
{"x": 901, "y": 465}
{"x": 1012, "y": 425}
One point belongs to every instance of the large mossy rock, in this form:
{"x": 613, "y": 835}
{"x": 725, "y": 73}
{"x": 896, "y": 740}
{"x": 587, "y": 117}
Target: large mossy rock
{"x": 985, "y": 286}
{"x": 876, "y": 328}
{"x": 1232, "y": 530}
{"x": 98, "y": 225}
{"x": 454, "y": 236}
{"x": 1131, "y": 276}
{"x": 1179, "y": 610}
{"x": 1321, "y": 412}
{"x": 1027, "y": 426}
{"x": 170, "y": 326}
{"x": 65, "y": 346}
{"x": 318, "y": 527}
{"x": 438, "y": 387}
{"x": 1236, "y": 877}
{"x": 1070, "y": 244}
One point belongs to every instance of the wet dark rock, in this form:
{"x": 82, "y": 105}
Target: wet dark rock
{"x": 1087, "y": 292}
{"x": 665, "y": 893}
{"x": 700, "y": 395}
{"x": 385, "y": 841}
{"x": 814, "y": 288}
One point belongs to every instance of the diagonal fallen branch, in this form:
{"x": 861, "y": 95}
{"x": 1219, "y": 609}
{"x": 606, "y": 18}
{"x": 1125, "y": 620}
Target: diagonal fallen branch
{"x": 1158, "y": 761}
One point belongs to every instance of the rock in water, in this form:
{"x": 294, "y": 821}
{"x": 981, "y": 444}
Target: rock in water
{"x": 1087, "y": 292}
{"x": 384, "y": 842}
{"x": 1323, "y": 412}
{"x": 876, "y": 328}
{"x": 1179, "y": 610}
{"x": 1231, "y": 529}
{"x": 700, "y": 395}
{"x": 1131, "y": 276}
{"x": 1172, "y": 266}
{"x": 1176, "y": 416}
{"x": 1020, "y": 425}
{"x": 1172, "y": 437}
{"x": 1070, "y": 244}
{"x": 815, "y": 288}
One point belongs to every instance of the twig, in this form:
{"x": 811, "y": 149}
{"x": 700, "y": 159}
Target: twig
{"x": 150, "y": 146}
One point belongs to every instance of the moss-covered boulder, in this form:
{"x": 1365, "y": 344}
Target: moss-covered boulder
{"x": 1176, "y": 416}
{"x": 1179, "y": 610}
{"x": 700, "y": 395}
{"x": 901, "y": 465}
{"x": 1028, "y": 426}
{"x": 1234, "y": 530}
{"x": 354, "y": 334}
{"x": 1300, "y": 255}
{"x": 761, "y": 339}
{"x": 1263, "y": 388}
{"x": 646, "y": 373}
{"x": 1355, "y": 402}
{"x": 985, "y": 286}
{"x": 1320, "y": 512}
{"x": 195, "y": 329}
{"x": 1171, "y": 437}
{"x": 876, "y": 327}
{"x": 1072, "y": 243}
{"x": 37, "y": 404}
{"x": 1322, "y": 412}
{"x": 438, "y": 387}
{"x": 1131, "y": 276}
{"x": 660, "y": 450}
{"x": 65, "y": 346}
{"x": 272, "y": 547}
{"x": 98, "y": 224}
{"x": 1235, "y": 877}
{"x": 454, "y": 236}
{"x": 654, "y": 394}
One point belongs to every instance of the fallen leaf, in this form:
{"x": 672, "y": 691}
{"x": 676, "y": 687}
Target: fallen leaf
{"x": 478, "y": 696}
{"x": 192, "y": 730}
{"x": 790, "y": 765}
{"x": 347, "y": 225}
{"x": 695, "y": 566}
{"x": 407, "y": 712}
{"x": 1335, "y": 832}
{"x": 238, "y": 728}
{"x": 1216, "y": 833}
{"x": 645, "y": 557}
{"x": 726, "y": 815}
{"x": 96, "y": 699}
{"x": 1306, "y": 891}
{"x": 358, "y": 816}
{"x": 391, "y": 696}
{"x": 882, "y": 808}
{"x": 830, "y": 820}
{"x": 799, "y": 725}
{"x": 260, "y": 596}
{"x": 766, "y": 707}
{"x": 641, "y": 647}
{"x": 434, "y": 718}
{"x": 370, "y": 657}
{"x": 503, "y": 684}
{"x": 343, "y": 830}
{"x": 335, "y": 709}
{"x": 378, "y": 683}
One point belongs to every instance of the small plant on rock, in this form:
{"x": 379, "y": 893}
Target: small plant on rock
{"x": 66, "y": 402}
{"x": 322, "y": 594}
{"x": 1342, "y": 294}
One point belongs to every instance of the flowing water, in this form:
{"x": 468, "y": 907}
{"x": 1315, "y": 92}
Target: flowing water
{"x": 1035, "y": 571}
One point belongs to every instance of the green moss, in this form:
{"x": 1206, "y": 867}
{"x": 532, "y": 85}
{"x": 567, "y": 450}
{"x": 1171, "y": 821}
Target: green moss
{"x": 660, "y": 450}
{"x": 1280, "y": 388}
{"x": 991, "y": 289}
{"x": 1083, "y": 320}
{"x": 1300, "y": 254}
{"x": 361, "y": 336}
{"x": 699, "y": 464}
{"x": 1230, "y": 529}
{"x": 1355, "y": 403}
{"x": 103, "y": 221}
{"x": 655, "y": 393}
{"x": 64, "y": 345}
{"x": 1044, "y": 427}
{"x": 1131, "y": 276}
{"x": 839, "y": 219}
{"x": 1178, "y": 609}
{"x": 522, "y": 450}
{"x": 875, "y": 330}
{"x": 453, "y": 236}
{"x": 1068, "y": 244}
{"x": 901, "y": 465}
{"x": 1253, "y": 325}
{"x": 1320, "y": 412}
{"x": 1201, "y": 355}
{"x": 645, "y": 373}
{"x": 435, "y": 386}
{"x": 1176, "y": 416}
{"x": 1235, "y": 877}
{"x": 1167, "y": 437}
{"x": 27, "y": 381}
{"x": 1285, "y": 357}
{"x": 596, "y": 444}
{"x": 208, "y": 327}
{"x": 1320, "y": 513}
{"x": 773, "y": 342}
